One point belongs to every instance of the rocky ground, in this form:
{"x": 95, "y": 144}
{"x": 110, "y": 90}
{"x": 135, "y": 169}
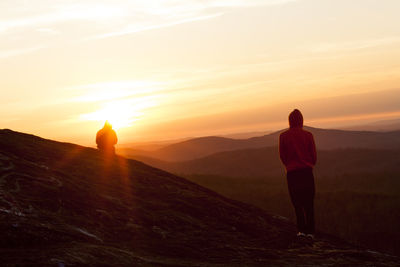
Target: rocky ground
{"x": 62, "y": 204}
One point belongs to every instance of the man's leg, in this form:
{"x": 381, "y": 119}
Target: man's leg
{"x": 309, "y": 203}
{"x": 301, "y": 220}
{"x": 310, "y": 223}
{"x": 296, "y": 198}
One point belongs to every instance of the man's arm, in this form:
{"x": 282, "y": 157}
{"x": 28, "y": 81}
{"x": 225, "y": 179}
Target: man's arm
{"x": 282, "y": 150}
{"x": 313, "y": 150}
{"x": 98, "y": 135}
{"x": 115, "y": 138}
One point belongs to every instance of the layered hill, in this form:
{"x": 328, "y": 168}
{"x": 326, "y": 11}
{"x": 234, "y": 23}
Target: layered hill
{"x": 325, "y": 139}
{"x": 265, "y": 161}
{"x": 359, "y": 185}
{"x": 378, "y": 126}
{"x": 63, "y": 204}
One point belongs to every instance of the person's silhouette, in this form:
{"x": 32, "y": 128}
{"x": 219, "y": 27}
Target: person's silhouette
{"x": 106, "y": 138}
{"x": 298, "y": 154}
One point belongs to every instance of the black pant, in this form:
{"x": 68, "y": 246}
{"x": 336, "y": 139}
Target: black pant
{"x": 302, "y": 191}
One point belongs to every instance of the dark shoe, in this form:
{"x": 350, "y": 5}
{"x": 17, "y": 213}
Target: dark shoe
{"x": 300, "y": 234}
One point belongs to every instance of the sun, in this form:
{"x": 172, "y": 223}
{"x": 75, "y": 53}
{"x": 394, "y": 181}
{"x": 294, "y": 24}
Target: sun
{"x": 119, "y": 113}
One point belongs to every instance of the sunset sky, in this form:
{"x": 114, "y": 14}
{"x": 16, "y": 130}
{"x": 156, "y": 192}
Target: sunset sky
{"x": 183, "y": 68}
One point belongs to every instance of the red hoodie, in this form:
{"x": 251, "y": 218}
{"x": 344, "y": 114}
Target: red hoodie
{"x": 297, "y": 146}
{"x": 297, "y": 149}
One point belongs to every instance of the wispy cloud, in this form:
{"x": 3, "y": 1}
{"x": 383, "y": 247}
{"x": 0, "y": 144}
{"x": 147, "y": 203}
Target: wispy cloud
{"x": 130, "y": 29}
{"x": 355, "y": 45}
{"x": 16, "y": 52}
{"x": 75, "y": 21}
{"x": 48, "y": 31}
{"x": 247, "y": 3}
{"x": 114, "y": 90}
{"x": 118, "y": 15}
{"x": 56, "y": 13}
{"x": 163, "y": 14}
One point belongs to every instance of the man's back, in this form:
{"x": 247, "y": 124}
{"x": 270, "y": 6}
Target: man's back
{"x": 106, "y": 138}
{"x": 297, "y": 149}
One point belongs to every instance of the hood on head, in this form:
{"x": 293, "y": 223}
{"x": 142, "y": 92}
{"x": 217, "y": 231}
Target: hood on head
{"x": 107, "y": 125}
{"x": 295, "y": 119}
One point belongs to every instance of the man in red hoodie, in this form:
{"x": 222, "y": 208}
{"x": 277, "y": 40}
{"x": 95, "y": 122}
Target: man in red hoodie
{"x": 298, "y": 154}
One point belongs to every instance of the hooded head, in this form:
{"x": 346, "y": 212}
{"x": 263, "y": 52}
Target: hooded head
{"x": 296, "y": 119}
{"x": 107, "y": 125}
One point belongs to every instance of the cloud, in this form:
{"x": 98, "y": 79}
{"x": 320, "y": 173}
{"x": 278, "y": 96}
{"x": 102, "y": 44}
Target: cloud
{"x": 57, "y": 13}
{"x": 321, "y": 112}
{"x": 354, "y": 45}
{"x": 72, "y": 21}
{"x": 16, "y": 52}
{"x": 130, "y": 29}
{"x": 113, "y": 90}
{"x": 162, "y": 14}
{"x": 247, "y": 3}
{"x": 48, "y": 31}
{"x": 121, "y": 16}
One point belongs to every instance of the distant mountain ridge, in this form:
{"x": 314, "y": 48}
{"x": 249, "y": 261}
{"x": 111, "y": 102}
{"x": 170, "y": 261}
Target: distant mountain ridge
{"x": 378, "y": 126}
{"x": 261, "y": 162}
{"x": 326, "y": 139}
{"x": 63, "y": 204}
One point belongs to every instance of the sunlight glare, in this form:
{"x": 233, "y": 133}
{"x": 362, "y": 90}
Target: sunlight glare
{"x": 121, "y": 113}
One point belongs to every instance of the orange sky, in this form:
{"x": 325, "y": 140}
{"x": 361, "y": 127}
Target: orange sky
{"x": 172, "y": 69}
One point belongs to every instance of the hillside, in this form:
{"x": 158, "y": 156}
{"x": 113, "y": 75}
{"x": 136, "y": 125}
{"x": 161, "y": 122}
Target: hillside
{"x": 361, "y": 186}
{"x": 326, "y": 139}
{"x": 65, "y": 204}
